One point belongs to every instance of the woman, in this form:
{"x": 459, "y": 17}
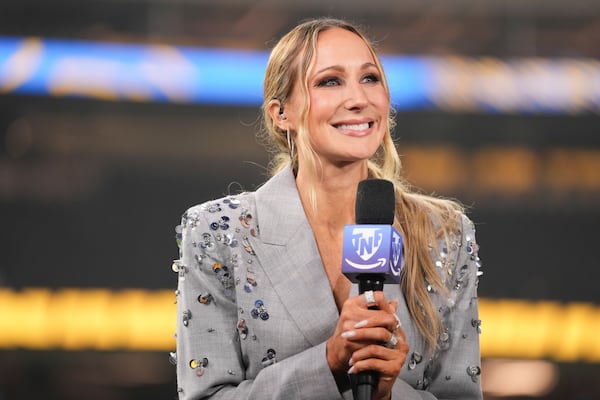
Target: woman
{"x": 263, "y": 308}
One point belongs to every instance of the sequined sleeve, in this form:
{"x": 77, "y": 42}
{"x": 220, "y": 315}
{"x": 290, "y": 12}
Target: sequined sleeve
{"x": 206, "y": 308}
{"x": 453, "y": 372}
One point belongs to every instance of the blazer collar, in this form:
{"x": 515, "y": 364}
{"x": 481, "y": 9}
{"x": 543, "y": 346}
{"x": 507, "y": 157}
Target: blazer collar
{"x": 279, "y": 209}
{"x": 289, "y": 255}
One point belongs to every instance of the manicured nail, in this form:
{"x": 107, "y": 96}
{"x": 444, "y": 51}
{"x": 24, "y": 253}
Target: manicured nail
{"x": 361, "y": 324}
{"x": 348, "y": 334}
{"x": 350, "y": 363}
{"x": 351, "y": 371}
{"x": 398, "y": 324}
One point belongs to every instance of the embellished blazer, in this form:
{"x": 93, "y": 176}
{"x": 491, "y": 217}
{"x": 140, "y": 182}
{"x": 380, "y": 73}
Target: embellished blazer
{"x": 255, "y": 308}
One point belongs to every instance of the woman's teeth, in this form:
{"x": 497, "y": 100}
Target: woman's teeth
{"x": 354, "y": 127}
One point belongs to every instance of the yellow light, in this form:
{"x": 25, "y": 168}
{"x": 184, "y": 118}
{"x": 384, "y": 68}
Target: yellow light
{"x": 541, "y": 329}
{"x": 74, "y": 319}
{"x": 135, "y": 319}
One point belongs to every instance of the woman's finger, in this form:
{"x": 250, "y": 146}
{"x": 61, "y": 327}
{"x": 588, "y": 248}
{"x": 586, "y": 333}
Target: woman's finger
{"x": 374, "y": 300}
{"x": 372, "y": 335}
{"x": 379, "y": 358}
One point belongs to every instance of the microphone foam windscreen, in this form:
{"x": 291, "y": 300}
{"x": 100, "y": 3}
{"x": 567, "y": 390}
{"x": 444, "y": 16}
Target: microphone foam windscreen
{"x": 375, "y": 202}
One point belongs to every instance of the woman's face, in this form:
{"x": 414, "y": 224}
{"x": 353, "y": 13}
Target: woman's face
{"x": 349, "y": 107}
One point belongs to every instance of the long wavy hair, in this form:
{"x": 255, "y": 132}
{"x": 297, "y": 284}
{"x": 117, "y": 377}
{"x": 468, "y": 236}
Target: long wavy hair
{"x": 421, "y": 219}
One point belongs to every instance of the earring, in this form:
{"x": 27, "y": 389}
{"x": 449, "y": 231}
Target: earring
{"x": 281, "y": 113}
{"x": 290, "y": 144}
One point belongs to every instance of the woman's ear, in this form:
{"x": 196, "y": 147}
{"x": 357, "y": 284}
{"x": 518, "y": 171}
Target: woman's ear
{"x": 277, "y": 113}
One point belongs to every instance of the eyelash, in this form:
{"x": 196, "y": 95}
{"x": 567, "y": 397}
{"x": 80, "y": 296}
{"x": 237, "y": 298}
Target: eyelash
{"x": 325, "y": 82}
{"x": 374, "y": 78}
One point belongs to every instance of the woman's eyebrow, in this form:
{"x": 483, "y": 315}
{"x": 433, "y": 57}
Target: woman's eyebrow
{"x": 339, "y": 68}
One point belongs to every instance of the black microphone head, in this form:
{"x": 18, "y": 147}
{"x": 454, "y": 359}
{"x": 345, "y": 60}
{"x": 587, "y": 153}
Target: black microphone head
{"x": 375, "y": 202}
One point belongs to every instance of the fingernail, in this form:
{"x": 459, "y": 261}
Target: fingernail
{"x": 398, "y": 320}
{"x": 361, "y": 324}
{"x": 350, "y": 363}
{"x": 351, "y": 371}
{"x": 348, "y": 334}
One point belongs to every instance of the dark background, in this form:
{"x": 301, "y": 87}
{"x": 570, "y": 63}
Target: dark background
{"x": 90, "y": 191}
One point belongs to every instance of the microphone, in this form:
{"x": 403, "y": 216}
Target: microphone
{"x": 372, "y": 253}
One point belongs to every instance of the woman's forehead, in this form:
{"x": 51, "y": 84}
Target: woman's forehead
{"x": 340, "y": 47}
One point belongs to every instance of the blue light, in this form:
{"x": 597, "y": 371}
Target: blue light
{"x": 114, "y": 71}
{"x": 162, "y": 73}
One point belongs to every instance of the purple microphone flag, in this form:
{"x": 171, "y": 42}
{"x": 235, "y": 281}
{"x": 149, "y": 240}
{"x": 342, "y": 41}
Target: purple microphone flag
{"x": 372, "y": 249}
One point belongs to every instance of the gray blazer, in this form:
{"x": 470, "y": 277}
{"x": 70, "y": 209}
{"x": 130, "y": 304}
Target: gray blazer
{"x": 254, "y": 307}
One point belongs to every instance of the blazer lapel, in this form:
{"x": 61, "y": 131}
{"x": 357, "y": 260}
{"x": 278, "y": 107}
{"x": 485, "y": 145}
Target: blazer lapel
{"x": 287, "y": 251}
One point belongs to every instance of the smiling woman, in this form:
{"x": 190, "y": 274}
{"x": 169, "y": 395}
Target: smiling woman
{"x": 263, "y": 307}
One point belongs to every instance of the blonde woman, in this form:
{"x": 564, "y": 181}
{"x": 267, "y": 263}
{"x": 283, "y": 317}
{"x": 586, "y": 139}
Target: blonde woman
{"x": 264, "y": 311}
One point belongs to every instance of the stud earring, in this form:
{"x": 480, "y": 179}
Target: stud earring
{"x": 281, "y": 113}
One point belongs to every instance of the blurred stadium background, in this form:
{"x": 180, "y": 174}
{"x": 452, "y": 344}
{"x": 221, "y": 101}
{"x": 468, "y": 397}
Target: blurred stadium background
{"x": 115, "y": 116}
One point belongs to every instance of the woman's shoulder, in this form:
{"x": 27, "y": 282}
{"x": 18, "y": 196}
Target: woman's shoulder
{"x": 455, "y": 233}
{"x": 456, "y": 256}
{"x": 224, "y": 205}
{"x": 219, "y": 215}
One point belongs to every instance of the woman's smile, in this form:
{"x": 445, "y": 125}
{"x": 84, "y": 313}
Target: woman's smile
{"x": 357, "y": 129}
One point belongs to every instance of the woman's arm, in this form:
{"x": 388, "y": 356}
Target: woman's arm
{"x": 454, "y": 370}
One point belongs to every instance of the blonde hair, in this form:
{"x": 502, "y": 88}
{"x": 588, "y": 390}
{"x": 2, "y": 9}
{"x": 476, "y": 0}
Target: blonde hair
{"x": 289, "y": 62}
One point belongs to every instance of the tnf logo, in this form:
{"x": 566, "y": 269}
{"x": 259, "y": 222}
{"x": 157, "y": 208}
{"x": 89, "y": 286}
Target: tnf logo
{"x": 366, "y": 242}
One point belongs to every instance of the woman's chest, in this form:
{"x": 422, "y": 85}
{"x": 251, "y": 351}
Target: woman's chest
{"x": 331, "y": 256}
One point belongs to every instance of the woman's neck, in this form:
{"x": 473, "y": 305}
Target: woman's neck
{"x": 335, "y": 193}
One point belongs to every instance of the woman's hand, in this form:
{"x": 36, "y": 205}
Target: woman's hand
{"x": 369, "y": 340}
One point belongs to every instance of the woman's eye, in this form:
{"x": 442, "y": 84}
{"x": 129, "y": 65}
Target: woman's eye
{"x": 371, "y": 78}
{"x": 328, "y": 82}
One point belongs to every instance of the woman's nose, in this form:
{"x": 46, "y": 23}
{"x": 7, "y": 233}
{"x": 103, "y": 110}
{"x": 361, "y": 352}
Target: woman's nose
{"x": 356, "y": 97}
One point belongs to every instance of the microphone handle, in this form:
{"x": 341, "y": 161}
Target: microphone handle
{"x": 365, "y": 381}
